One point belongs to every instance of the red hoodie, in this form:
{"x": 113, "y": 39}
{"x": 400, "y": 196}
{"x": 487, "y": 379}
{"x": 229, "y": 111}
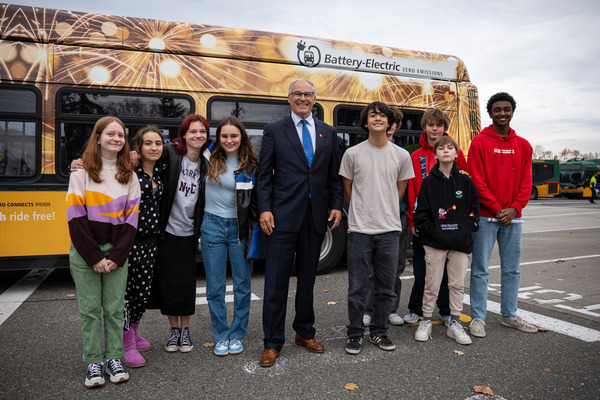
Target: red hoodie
{"x": 425, "y": 154}
{"x": 501, "y": 170}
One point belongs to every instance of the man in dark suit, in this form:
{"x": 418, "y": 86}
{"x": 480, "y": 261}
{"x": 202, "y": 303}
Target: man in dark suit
{"x": 297, "y": 183}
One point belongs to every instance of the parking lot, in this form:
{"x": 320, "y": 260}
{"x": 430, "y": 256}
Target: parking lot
{"x": 41, "y": 343}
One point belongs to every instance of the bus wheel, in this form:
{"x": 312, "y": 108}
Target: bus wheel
{"x": 332, "y": 248}
{"x": 534, "y": 194}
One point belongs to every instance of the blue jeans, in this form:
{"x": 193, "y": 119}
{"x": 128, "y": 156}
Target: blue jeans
{"x": 376, "y": 254}
{"x": 509, "y": 246}
{"x": 220, "y": 235}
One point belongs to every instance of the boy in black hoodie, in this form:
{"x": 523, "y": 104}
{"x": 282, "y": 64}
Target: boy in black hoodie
{"x": 446, "y": 213}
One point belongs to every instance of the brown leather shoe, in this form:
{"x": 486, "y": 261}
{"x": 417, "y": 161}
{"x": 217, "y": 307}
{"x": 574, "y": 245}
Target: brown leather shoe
{"x": 311, "y": 344}
{"x": 268, "y": 358}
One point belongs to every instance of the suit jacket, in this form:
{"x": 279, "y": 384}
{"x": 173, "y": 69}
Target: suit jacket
{"x": 285, "y": 180}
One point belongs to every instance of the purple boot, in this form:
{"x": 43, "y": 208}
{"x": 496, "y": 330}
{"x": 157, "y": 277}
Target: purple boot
{"x": 132, "y": 357}
{"x": 141, "y": 344}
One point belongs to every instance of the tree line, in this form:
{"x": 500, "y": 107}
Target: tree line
{"x": 540, "y": 153}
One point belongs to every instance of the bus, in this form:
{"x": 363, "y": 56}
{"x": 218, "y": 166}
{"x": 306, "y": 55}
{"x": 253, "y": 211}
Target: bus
{"x": 60, "y": 71}
{"x": 546, "y": 178}
{"x": 575, "y": 176}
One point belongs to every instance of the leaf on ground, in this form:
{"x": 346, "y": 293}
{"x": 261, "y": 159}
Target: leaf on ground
{"x": 538, "y": 284}
{"x": 559, "y": 279}
{"x": 559, "y": 261}
{"x": 483, "y": 389}
{"x": 547, "y": 369}
{"x": 71, "y": 295}
{"x": 351, "y": 386}
{"x": 332, "y": 302}
{"x": 208, "y": 344}
{"x": 460, "y": 353}
{"x": 542, "y": 329}
{"x": 577, "y": 307}
{"x": 326, "y": 290}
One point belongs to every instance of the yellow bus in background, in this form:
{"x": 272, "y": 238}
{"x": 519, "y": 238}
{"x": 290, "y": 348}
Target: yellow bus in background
{"x": 62, "y": 70}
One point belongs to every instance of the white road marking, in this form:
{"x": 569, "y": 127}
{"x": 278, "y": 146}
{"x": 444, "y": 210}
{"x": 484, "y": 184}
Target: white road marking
{"x": 561, "y": 230}
{"x": 552, "y": 324}
{"x": 561, "y": 215}
{"x": 228, "y": 297}
{"x": 15, "y": 295}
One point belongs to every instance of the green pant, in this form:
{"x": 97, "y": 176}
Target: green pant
{"x": 98, "y": 293}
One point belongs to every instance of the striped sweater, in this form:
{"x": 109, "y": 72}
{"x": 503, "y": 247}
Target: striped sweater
{"x": 100, "y": 213}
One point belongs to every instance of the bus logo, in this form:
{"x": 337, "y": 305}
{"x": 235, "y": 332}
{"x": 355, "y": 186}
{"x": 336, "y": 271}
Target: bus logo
{"x": 308, "y": 56}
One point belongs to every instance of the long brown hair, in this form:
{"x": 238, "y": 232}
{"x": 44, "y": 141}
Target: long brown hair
{"x": 246, "y": 155}
{"x": 91, "y": 155}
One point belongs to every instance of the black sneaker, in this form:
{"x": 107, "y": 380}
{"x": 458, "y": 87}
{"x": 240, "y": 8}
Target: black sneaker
{"x": 115, "y": 371}
{"x": 185, "y": 342}
{"x": 353, "y": 345}
{"x": 383, "y": 342}
{"x": 173, "y": 342}
{"x": 94, "y": 376}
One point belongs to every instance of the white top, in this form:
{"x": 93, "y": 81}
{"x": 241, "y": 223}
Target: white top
{"x": 181, "y": 220}
{"x": 310, "y": 123}
{"x": 374, "y": 172}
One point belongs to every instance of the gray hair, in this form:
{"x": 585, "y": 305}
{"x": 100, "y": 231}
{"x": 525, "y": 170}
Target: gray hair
{"x": 314, "y": 89}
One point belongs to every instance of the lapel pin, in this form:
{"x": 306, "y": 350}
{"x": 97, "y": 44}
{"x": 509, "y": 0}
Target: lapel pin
{"x": 320, "y": 135}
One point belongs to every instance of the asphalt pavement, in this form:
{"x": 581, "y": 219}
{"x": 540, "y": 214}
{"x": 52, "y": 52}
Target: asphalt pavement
{"x": 41, "y": 345}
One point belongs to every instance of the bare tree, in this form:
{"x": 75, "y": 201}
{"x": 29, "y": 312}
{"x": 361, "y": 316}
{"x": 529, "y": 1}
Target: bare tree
{"x": 565, "y": 154}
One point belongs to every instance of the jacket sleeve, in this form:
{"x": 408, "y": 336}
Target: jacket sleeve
{"x": 461, "y": 161}
{"x": 412, "y": 196}
{"x": 77, "y": 218}
{"x": 422, "y": 215}
{"x": 124, "y": 242}
{"x": 266, "y": 164}
{"x": 335, "y": 196}
{"x": 522, "y": 197}
{"x": 475, "y": 167}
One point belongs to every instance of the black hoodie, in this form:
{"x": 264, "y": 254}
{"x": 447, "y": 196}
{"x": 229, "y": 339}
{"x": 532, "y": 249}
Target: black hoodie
{"x": 447, "y": 210}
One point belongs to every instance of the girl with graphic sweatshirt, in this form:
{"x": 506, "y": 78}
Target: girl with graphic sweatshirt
{"x": 102, "y": 214}
{"x": 447, "y": 212}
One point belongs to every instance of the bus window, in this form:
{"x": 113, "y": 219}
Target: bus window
{"x": 254, "y": 114}
{"x": 78, "y": 110}
{"x": 19, "y": 127}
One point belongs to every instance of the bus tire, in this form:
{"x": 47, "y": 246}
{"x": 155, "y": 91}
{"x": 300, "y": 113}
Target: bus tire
{"x": 534, "y": 194}
{"x": 332, "y": 249}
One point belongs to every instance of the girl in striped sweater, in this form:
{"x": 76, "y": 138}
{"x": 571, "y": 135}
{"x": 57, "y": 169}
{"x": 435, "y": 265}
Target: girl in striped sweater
{"x": 102, "y": 213}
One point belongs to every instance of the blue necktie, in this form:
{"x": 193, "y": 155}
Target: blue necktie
{"x": 307, "y": 143}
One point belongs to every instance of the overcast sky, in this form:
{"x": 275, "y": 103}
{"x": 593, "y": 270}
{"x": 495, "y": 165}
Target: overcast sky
{"x": 545, "y": 53}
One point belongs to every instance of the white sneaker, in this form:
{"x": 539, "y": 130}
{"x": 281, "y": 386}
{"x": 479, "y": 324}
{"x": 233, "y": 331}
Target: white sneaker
{"x": 518, "y": 323}
{"x": 395, "y": 319}
{"x": 423, "y": 332}
{"x": 447, "y": 319}
{"x": 366, "y": 319}
{"x": 412, "y": 318}
{"x": 477, "y": 327}
{"x": 115, "y": 371}
{"x": 95, "y": 375}
{"x": 456, "y": 332}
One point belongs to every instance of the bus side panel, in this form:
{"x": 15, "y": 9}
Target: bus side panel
{"x": 33, "y": 223}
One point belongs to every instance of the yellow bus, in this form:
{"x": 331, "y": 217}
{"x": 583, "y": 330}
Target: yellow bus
{"x": 62, "y": 70}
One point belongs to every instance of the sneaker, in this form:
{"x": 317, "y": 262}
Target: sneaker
{"x": 477, "y": 327}
{"x": 222, "y": 348}
{"x": 518, "y": 323}
{"x": 353, "y": 345}
{"x": 423, "y": 332}
{"x": 366, "y": 320}
{"x": 235, "y": 346}
{"x": 94, "y": 376}
{"x": 395, "y": 319}
{"x": 447, "y": 319}
{"x": 173, "y": 342}
{"x": 412, "y": 318}
{"x": 185, "y": 342}
{"x": 383, "y": 342}
{"x": 456, "y": 332}
{"x": 115, "y": 371}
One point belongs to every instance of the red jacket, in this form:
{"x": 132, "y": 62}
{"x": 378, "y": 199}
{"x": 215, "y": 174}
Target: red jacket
{"x": 501, "y": 170}
{"x": 414, "y": 185}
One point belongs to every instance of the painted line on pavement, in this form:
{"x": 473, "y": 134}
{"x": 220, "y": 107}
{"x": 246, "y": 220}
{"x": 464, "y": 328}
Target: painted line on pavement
{"x": 561, "y": 230}
{"x": 560, "y": 215}
{"x": 552, "y": 324}
{"x": 15, "y": 295}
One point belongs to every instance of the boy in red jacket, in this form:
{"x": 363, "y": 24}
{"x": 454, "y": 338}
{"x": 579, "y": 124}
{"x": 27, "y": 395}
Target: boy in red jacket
{"x": 500, "y": 166}
{"x": 435, "y": 123}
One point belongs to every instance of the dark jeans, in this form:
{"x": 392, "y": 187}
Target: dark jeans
{"x": 415, "y": 304}
{"x": 379, "y": 254}
{"x": 401, "y": 265}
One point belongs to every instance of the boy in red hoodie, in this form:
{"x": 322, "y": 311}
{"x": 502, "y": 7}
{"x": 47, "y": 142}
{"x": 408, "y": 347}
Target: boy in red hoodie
{"x": 500, "y": 166}
{"x": 435, "y": 123}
